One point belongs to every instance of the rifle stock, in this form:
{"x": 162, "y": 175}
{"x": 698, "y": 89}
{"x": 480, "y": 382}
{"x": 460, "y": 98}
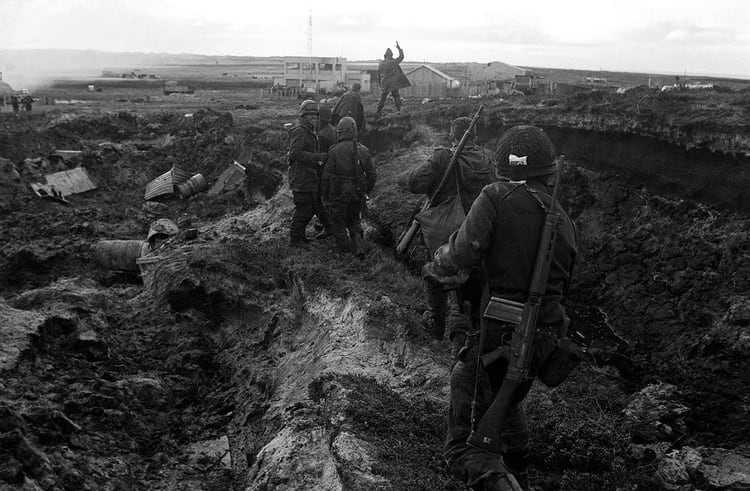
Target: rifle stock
{"x": 408, "y": 236}
{"x": 488, "y": 433}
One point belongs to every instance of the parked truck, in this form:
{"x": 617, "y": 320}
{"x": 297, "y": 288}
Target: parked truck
{"x": 172, "y": 87}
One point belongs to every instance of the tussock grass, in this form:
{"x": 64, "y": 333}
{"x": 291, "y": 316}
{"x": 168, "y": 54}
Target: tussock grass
{"x": 579, "y": 439}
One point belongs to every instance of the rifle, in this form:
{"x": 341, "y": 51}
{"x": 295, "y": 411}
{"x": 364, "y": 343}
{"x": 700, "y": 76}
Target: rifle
{"x": 487, "y": 434}
{"x": 411, "y": 230}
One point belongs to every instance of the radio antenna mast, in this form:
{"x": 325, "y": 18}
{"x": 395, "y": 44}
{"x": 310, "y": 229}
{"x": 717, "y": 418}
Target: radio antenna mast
{"x": 309, "y": 35}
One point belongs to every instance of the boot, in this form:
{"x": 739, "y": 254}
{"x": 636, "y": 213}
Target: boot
{"x": 517, "y": 462}
{"x": 434, "y": 325}
{"x": 500, "y": 482}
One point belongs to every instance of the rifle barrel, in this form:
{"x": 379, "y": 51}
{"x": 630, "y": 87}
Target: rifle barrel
{"x": 406, "y": 239}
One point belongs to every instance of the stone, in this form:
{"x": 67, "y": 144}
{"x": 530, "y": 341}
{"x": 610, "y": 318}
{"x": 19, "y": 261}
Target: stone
{"x": 672, "y": 472}
{"x": 208, "y": 452}
{"x": 353, "y": 452}
{"x": 722, "y": 469}
{"x": 155, "y": 208}
{"x": 14, "y": 337}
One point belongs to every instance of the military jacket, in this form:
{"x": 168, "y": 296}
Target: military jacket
{"x": 475, "y": 170}
{"x": 502, "y": 230}
{"x": 390, "y": 75}
{"x": 347, "y": 177}
{"x": 350, "y": 105}
{"x": 304, "y": 155}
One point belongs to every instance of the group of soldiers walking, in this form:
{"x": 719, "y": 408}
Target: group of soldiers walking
{"x": 330, "y": 175}
{"x": 493, "y": 256}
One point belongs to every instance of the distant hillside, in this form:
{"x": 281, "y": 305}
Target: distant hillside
{"x": 630, "y": 78}
{"x": 29, "y": 68}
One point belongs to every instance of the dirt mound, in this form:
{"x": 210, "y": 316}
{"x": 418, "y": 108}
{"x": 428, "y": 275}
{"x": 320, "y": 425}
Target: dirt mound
{"x": 234, "y": 362}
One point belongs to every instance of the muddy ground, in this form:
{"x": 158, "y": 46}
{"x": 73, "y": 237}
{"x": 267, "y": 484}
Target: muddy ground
{"x": 234, "y": 363}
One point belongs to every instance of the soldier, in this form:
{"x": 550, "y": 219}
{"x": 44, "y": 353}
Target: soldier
{"x": 475, "y": 170}
{"x": 351, "y": 105}
{"x": 327, "y": 137}
{"x": 502, "y": 230}
{"x": 391, "y": 78}
{"x": 305, "y": 156}
{"x": 348, "y": 177}
{"x": 14, "y": 103}
{"x": 326, "y": 132}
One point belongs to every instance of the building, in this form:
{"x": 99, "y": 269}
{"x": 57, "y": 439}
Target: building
{"x": 5, "y": 91}
{"x": 361, "y": 77}
{"x": 475, "y": 73}
{"x": 428, "y": 81}
{"x": 314, "y": 73}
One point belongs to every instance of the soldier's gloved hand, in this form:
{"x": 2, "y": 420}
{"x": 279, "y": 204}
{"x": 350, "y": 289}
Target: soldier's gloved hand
{"x": 443, "y": 269}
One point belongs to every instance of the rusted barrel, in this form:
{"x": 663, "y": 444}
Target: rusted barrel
{"x": 194, "y": 185}
{"x": 120, "y": 254}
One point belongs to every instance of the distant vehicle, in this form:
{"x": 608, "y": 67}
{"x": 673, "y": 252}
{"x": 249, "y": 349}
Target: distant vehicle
{"x": 172, "y": 87}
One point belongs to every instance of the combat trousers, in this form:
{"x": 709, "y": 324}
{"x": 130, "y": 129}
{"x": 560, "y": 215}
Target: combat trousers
{"x": 472, "y": 465}
{"x": 384, "y": 96}
{"x": 306, "y": 205}
{"x": 344, "y": 217}
{"x": 445, "y": 307}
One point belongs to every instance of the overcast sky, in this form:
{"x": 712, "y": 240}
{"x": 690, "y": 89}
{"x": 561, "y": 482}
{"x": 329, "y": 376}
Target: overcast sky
{"x": 664, "y": 36}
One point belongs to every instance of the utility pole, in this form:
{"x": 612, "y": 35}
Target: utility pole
{"x": 309, "y": 36}
{"x": 310, "y": 50}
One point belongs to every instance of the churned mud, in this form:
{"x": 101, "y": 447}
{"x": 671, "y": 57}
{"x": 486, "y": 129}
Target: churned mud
{"x": 231, "y": 362}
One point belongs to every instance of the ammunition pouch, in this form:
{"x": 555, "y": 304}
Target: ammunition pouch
{"x": 556, "y": 368}
{"x": 344, "y": 188}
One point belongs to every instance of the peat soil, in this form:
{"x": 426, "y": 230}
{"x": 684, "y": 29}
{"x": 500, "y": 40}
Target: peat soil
{"x": 185, "y": 377}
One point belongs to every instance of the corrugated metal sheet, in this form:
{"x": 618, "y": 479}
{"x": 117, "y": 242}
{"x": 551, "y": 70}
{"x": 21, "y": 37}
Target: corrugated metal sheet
{"x": 160, "y": 186}
{"x": 165, "y": 183}
{"x": 68, "y": 182}
{"x": 180, "y": 174}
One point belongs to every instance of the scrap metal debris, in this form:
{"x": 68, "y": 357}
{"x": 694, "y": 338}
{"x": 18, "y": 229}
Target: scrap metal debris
{"x": 232, "y": 177}
{"x": 61, "y": 184}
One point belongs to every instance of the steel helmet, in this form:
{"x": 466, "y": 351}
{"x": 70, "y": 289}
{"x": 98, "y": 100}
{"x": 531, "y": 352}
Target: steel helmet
{"x": 346, "y": 129}
{"x": 308, "y": 107}
{"x": 325, "y": 113}
{"x": 525, "y": 151}
{"x": 162, "y": 226}
{"x": 459, "y": 126}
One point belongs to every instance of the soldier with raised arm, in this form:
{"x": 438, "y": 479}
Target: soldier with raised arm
{"x": 391, "y": 78}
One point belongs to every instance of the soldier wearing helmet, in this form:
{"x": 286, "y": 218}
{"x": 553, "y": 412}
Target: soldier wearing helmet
{"x": 474, "y": 169}
{"x": 326, "y": 132}
{"x": 350, "y": 104}
{"x": 348, "y": 177}
{"x": 306, "y": 156}
{"x": 502, "y": 233}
